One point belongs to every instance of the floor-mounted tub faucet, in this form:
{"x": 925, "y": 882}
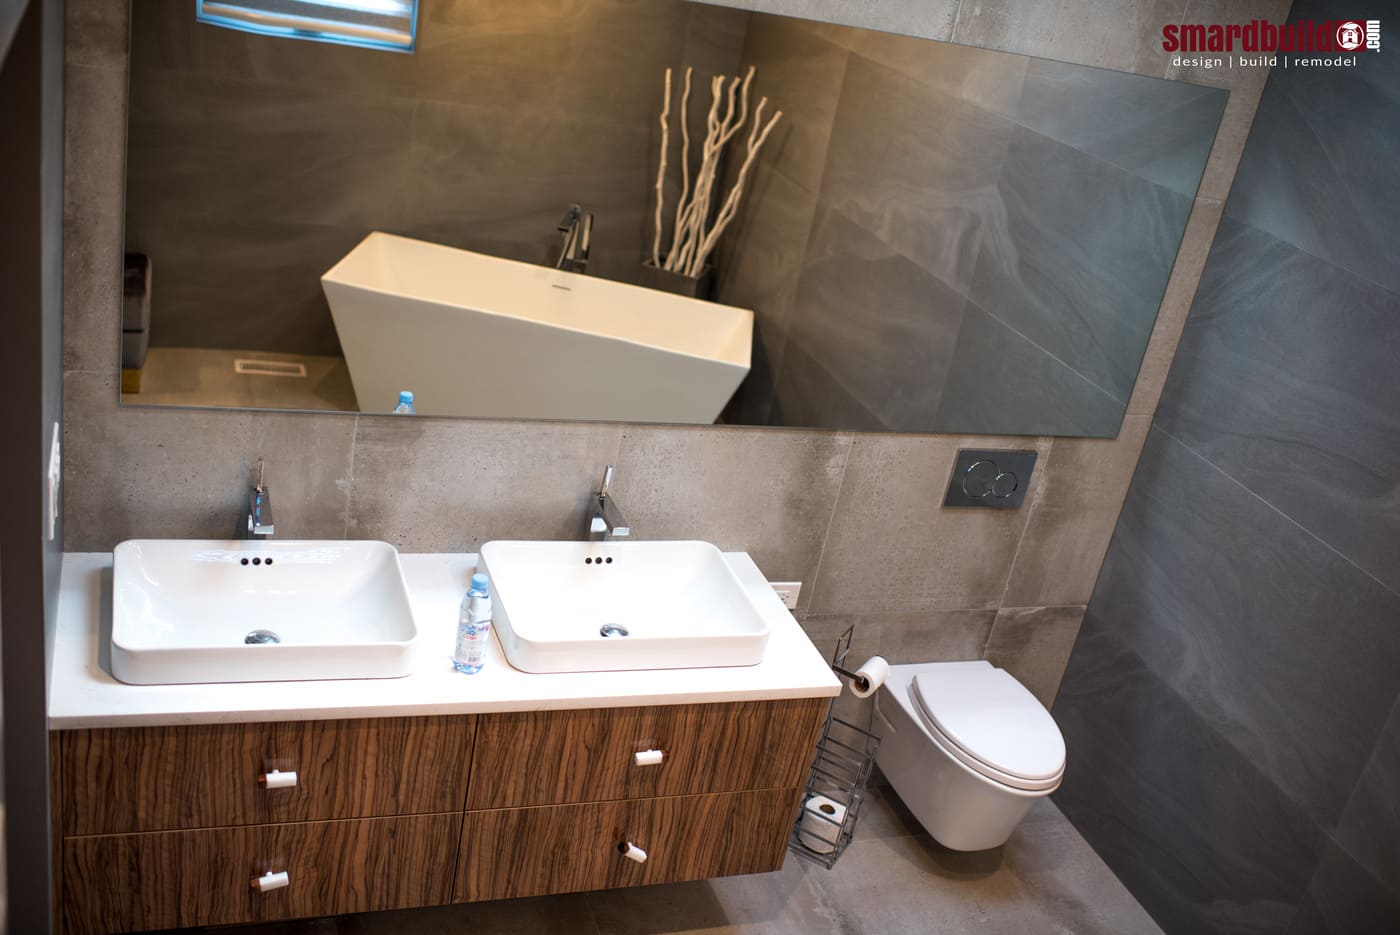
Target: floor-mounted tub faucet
{"x": 577, "y": 228}
{"x": 604, "y": 519}
{"x": 258, "y": 522}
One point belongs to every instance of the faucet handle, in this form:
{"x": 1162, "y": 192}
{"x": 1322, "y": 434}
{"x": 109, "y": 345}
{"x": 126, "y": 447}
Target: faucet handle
{"x": 607, "y": 482}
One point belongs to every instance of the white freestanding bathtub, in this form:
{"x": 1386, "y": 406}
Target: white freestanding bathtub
{"x": 476, "y": 335}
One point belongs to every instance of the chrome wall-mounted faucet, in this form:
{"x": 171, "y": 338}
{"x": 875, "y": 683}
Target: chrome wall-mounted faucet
{"x": 577, "y": 228}
{"x": 258, "y": 522}
{"x": 604, "y": 519}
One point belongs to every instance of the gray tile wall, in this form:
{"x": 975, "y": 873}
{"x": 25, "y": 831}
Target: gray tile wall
{"x": 1014, "y": 219}
{"x": 855, "y": 517}
{"x": 1232, "y": 707}
{"x": 255, "y": 164}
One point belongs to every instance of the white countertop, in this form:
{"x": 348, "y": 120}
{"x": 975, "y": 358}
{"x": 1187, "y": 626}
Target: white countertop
{"x": 83, "y": 692}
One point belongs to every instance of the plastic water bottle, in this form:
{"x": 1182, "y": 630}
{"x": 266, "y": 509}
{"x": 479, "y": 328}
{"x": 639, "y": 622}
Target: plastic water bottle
{"x": 473, "y": 627}
{"x": 405, "y": 406}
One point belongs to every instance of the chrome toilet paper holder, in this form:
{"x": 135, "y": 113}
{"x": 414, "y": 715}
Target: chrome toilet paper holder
{"x": 836, "y": 783}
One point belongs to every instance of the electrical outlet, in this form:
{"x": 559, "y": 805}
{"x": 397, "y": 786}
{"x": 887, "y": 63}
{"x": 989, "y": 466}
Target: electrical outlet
{"x": 787, "y": 592}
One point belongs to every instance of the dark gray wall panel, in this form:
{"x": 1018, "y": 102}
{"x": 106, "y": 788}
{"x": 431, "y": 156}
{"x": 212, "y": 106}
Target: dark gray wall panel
{"x": 1287, "y": 384}
{"x": 1252, "y": 588}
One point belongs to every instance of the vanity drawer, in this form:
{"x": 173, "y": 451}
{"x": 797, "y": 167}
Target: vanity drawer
{"x": 568, "y": 848}
{"x": 173, "y": 879}
{"x": 558, "y": 757}
{"x": 200, "y": 776}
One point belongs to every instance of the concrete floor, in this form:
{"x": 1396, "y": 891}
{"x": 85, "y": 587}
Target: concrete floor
{"x": 893, "y": 879}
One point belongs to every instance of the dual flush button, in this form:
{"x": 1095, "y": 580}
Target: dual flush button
{"x": 997, "y": 478}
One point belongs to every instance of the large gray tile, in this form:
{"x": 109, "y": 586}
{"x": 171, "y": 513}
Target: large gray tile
{"x": 248, "y": 284}
{"x": 1283, "y": 647}
{"x": 932, "y": 19}
{"x": 448, "y": 485}
{"x": 1083, "y": 483}
{"x": 1200, "y": 834}
{"x": 767, "y": 493}
{"x": 1159, "y": 130}
{"x": 881, "y": 326}
{"x": 780, "y": 903}
{"x": 92, "y": 218}
{"x": 1311, "y": 424}
{"x": 1034, "y": 644}
{"x": 915, "y": 167}
{"x": 497, "y": 179}
{"x": 925, "y": 636}
{"x": 1127, "y": 38}
{"x": 95, "y": 32}
{"x": 762, "y": 253}
{"x": 595, "y": 62}
{"x": 1318, "y": 168}
{"x": 134, "y": 472}
{"x": 802, "y": 75}
{"x": 1001, "y": 382}
{"x": 981, "y": 77}
{"x": 1044, "y": 880}
{"x": 1369, "y": 829}
{"x": 1176, "y": 304}
{"x": 714, "y": 41}
{"x": 1081, "y": 258}
{"x": 214, "y": 147}
{"x": 893, "y": 548}
{"x": 1344, "y": 899}
{"x": 806, "y": 394}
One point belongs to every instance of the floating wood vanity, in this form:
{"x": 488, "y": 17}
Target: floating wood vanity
{"x": 193, "y": 821}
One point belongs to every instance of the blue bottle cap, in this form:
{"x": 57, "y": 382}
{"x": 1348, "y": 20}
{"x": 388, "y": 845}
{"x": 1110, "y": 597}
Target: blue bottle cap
{"x": 406, "y": 396}
{"x": 480, "y": 582}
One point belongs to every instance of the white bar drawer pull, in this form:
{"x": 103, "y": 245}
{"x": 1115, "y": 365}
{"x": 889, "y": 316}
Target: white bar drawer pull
{"x": 650, "y": 757}
{"x": 632, "y": 852}
{"x": 271, "y": 881}
{"x": 277, "y": 779}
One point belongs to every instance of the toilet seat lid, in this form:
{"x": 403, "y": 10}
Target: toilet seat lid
{"x": 992, "y": 718}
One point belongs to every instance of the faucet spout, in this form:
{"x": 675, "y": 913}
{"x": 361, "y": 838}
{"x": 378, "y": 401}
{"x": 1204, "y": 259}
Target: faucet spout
{"x": 604, "y": 519}
{"x": 259, "y": 519}
{"x": 577, "y": 228}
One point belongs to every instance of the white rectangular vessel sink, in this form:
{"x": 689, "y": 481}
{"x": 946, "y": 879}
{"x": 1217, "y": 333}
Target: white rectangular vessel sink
{"x": 260, "y": 611}
{"x": 477, "y": 335}
{"x": 603, "y": 606}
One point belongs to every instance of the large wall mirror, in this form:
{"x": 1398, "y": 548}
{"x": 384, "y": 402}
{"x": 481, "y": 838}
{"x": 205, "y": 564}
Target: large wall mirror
{"x": 932, "y": 238}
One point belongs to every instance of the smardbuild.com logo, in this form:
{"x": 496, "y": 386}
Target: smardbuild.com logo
{"x": 1258, "y": 42}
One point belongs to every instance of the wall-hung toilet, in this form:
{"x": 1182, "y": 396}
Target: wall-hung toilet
{"x": 967, "y": 748}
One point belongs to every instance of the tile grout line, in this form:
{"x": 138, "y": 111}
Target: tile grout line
{"x": 1308, "y": 532}
{"x": 831, "y": 520}
{"x": 350, "y": 480}
{"x": 1370, "y": 760}
{"x": 1021, "y": 539}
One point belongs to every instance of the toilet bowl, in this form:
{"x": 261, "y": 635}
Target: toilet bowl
{"x": 967, "y": 748}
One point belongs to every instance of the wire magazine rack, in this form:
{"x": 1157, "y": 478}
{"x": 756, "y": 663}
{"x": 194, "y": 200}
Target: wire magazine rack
{"x": 836, "y": 783}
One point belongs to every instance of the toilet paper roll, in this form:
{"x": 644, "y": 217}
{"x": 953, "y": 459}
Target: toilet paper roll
{"x": 821, "y": 823}
{"x": 875, "y": 670}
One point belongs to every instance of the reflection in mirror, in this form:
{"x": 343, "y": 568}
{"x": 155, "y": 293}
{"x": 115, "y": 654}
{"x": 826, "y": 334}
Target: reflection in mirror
{"x": 933, "y": 239}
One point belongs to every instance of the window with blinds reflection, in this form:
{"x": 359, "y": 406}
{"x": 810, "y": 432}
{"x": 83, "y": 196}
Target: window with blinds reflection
{"x": 372, "y": 24}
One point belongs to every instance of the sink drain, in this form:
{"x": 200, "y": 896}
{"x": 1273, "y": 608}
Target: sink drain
{"x": 612, "y": 629}
{"x": 261, "y": 636}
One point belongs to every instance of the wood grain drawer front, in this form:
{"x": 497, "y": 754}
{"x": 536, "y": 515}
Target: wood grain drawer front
{"x": 173, "y": 879}
{"x": 557, "y": 757}
{"x": 203, "y": 776}
{"x": 514, "y": 852}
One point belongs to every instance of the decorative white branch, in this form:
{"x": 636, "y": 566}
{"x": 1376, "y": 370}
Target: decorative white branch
{"x": 661, "y": 169}
{"x": 694, "y": 235}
